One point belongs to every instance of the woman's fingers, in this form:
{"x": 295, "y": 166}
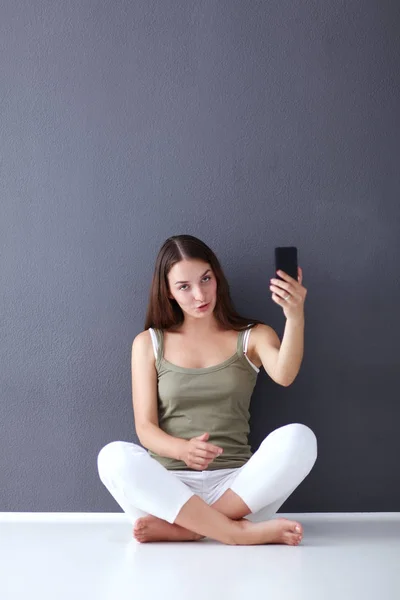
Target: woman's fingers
{"x": 202, "y": 459}
{"x": 210, "y": 448}
{"x": 206, "y": 454}
{"x": 300, "y": 275}
{"x": 280, "y": 285}
{"x": 287, "y": 277}
{"x": 201, "y": 454}
{"x": 200, "y": 465}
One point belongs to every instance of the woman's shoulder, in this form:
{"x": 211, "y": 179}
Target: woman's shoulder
{"x": 260, "y": 334}
{"x": 259, "y": 326}
{"x": 261, "y": 329}
{"x": 142, "y": 343}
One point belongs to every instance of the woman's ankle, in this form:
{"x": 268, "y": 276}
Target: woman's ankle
{"x": 236, "y": 534}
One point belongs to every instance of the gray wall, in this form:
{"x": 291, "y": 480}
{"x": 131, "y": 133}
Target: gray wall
{"x": 248, "y": 124}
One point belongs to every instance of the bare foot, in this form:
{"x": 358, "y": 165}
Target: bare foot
{"x": 152, "y": 529}
{"x": 276, "y": 531}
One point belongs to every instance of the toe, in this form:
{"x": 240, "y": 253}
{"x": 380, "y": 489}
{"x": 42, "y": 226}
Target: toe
{"x": 139, "y": 525}
{"x": 298, "y": 528}
{"x": 298, "y": 540}
{"x": 295, "y": 540}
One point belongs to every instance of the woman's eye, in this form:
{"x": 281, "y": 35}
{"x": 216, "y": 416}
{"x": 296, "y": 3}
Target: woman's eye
{"x": 185, "y": 286}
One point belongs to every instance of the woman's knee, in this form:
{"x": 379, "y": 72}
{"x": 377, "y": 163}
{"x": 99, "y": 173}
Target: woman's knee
{"x": 114, "y": 456}
{"x": 306, "y": 441}
{"x": 300, "y": 441}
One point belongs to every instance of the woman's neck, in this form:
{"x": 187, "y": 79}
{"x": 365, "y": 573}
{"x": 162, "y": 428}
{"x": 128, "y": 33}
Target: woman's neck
{"x": 199, "y": 328}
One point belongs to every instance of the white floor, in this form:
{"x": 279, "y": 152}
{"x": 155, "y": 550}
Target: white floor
{"x": 91, "y": 556}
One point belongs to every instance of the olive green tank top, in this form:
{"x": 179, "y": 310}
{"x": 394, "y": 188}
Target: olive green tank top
{"x": 213, "y": 399}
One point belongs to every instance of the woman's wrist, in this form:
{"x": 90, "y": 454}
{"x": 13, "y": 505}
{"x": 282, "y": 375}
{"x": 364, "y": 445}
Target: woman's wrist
{"x": 299, "y": 320}
{"x": 180, "y": 448}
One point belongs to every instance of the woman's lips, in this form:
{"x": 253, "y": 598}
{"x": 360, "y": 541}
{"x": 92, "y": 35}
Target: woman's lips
{"x": 202, "y": 307}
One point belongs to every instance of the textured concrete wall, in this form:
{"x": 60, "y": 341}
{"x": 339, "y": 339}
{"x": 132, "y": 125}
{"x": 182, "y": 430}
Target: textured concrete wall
{"x": 248, "y": 124}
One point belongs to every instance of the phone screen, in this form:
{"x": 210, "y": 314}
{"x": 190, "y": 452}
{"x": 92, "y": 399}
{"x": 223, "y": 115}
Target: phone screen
{"x": 286, "y": 261}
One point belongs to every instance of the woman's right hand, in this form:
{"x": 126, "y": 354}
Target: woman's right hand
{"x": 198, "y": 453}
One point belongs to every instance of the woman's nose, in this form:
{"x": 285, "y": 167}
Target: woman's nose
{"x": 198, "y": 295}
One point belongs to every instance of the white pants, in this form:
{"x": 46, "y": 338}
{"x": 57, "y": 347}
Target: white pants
{"x": 142, "y": 486}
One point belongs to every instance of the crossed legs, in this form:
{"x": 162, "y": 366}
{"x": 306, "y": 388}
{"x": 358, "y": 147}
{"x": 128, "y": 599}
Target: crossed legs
{"x": 283, "y": 460}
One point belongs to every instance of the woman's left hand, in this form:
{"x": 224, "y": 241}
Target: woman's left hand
{"x": 289, "y": 294}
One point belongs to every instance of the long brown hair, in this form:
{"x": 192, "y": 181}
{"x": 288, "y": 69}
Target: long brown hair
{"x": 164, "y": 312}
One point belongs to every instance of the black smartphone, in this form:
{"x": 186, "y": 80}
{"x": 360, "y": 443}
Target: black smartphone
{"x": 286, "y": 261}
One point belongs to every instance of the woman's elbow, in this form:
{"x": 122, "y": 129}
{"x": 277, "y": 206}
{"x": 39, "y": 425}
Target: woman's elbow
{"x": 142, "y": 432}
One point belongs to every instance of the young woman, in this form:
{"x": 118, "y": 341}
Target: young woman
{"x": 194, "y": 368}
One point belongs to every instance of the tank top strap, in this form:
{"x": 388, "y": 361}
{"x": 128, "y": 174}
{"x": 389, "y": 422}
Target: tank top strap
{"x": 240, "y": 342}
{"x": 243, "y": 339}
{"x": 157, "y": 337}
{"x": 160, "y": 339}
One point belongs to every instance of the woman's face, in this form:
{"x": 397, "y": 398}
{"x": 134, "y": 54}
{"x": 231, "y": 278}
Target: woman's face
{"x": 192, "y": 283}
